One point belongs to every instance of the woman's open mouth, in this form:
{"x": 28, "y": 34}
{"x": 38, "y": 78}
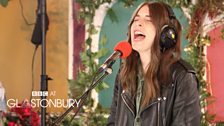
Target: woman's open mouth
{"x": 139, "y": 36}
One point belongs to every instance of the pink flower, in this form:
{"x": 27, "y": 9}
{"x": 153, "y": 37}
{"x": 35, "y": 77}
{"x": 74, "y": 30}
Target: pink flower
{"x": 11, "y": 124}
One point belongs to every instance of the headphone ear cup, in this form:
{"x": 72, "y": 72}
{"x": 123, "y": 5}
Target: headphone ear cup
{"x": 168, "y": 37}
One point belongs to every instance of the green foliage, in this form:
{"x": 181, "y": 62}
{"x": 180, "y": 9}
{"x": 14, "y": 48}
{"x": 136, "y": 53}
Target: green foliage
{"x": 196, "y": 54}
{"x": 90, "y": 67}
{"x": 90, "y": 116}
{"x": 197, "y": 58}
{"x": 112, "y": 15}
{"x": 88, "y": 9}
{"x": 178, "y": 3}
{"x": 4, "y": 3}
{"x": 93, "y": 117}
{"x": 128, "y": 3}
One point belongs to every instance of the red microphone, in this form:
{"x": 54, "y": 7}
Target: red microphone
{"x": 122, "y": 49}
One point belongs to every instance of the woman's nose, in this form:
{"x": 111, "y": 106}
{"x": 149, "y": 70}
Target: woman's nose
{"x": 139, "y": 23}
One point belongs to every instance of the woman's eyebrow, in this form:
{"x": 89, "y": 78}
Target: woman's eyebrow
{"x": 145, "y": 15}
{"x": 137, "y": 15}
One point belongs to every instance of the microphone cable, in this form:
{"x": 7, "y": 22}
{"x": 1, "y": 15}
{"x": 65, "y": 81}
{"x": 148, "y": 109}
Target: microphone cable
{"x": 24, "y": 18}
{"x": 32, "y": 71}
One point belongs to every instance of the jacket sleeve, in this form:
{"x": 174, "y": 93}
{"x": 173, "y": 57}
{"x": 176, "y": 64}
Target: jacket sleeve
{"x": 111, "y": 119}
{"x": 186, "y": 109}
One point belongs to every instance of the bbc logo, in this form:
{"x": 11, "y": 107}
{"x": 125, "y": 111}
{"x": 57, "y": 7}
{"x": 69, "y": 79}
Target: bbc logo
{"x": 39, "y": 93}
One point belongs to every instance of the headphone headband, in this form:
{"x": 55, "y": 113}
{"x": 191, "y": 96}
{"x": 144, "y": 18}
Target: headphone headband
{"x": 168, "y": 36}
{"x": 170, "y": 12}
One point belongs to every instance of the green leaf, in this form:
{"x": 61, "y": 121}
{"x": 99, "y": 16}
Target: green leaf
{"x": 88, "y": 53}
{"x": 102, "y": 52}
{"x": 222, "y": 30}
{"x": 88, "y": 18}
{"x": 89, "y": 41}
{"x": 92, "y": 30}
{"x": 102, "y": 86}
{"x": 4, "y": 3}
{"x": 94, "y": 54}
{"x": 186, "y": 2}
{"x": 211, "y": 117}
{"x": 84, "y": 57}
{"x": 112, "y": 15}
{"x": 103, "y": 40}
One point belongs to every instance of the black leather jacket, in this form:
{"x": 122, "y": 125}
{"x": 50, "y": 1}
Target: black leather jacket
{"x": 177, "y": 106}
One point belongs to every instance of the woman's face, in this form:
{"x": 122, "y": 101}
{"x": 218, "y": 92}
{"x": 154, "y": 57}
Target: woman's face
{"x": 142, "y": 31}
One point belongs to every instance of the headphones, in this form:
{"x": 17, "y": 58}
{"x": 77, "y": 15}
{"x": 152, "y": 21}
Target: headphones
{"x": 168, "y": 35}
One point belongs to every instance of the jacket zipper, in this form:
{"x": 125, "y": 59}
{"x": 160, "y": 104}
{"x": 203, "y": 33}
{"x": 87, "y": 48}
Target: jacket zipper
{"x": 125, "y": 102}
{"x": 159, "y": 100}
{"x": 149, "y": 106}
{"x": 159, "y": 104}
{"x": 158, "y": 122}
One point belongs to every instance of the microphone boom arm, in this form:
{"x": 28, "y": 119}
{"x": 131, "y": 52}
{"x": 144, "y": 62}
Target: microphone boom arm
{"x": 82, "y": 98}
{"x": 109, "y": 61}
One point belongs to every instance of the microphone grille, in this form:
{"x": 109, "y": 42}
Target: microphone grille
{"x": 124, "y": 47}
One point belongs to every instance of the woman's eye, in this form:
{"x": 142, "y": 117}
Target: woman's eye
{"x": 148, "y": 20}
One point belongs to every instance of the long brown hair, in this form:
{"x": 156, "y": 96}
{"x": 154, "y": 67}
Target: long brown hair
{"x": 158, "y": 71}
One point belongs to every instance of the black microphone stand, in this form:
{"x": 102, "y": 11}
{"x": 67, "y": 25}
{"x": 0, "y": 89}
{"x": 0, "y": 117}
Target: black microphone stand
{"x": 82, "y": 98}
{"x": 44, "y": 77}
